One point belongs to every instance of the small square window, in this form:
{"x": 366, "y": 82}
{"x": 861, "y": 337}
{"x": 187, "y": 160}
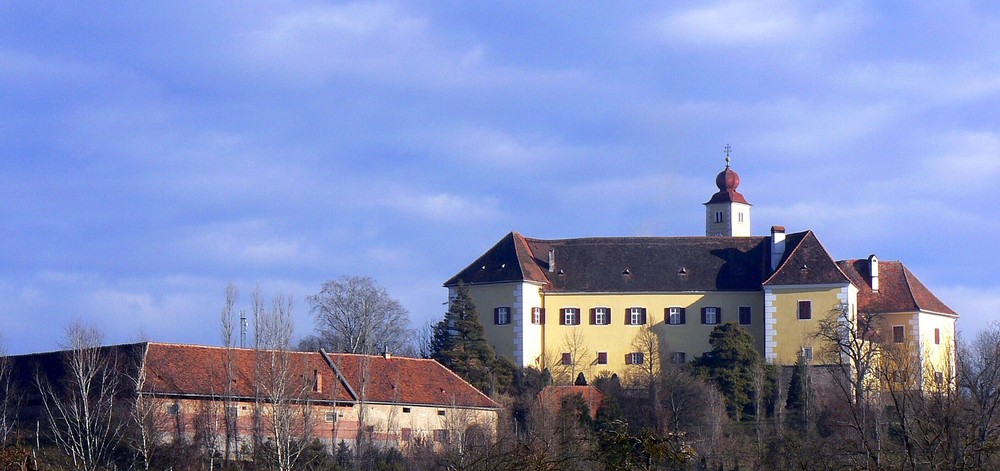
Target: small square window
{"x": 406, "y": 433}
{"x": 406, "y": 410}
{"x": 745, "y": 315}
{"x": 675, "y": 315}
{"x": 602, "y": 316}
{"x": 567, "y": 359}
{"x": 710, "y": 315}
{"x": 898, "y": 334}
{"x": 442, "y": 413}
{"x": 805, "y": 310}
{"x": 678, "y": 358}
{"x": 570, "y": 316}
{"x": 331, "y": 417}
{"x": 501, "y": 315}
{"x": 602, "y": 358}
{"x": 536, "y": 316}
{"x": 807, "y": 353}
{"x": 634, "y": 358}
{"x": 173, "y": 409}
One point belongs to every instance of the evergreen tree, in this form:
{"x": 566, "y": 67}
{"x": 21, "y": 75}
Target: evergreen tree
{"x": 799, "y": 393}
{"x": 459, "y": 343}
{"x": 731, "y": 365}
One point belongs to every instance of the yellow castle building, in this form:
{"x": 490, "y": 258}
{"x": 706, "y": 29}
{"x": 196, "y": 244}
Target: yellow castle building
{"x": 577, "y": 305}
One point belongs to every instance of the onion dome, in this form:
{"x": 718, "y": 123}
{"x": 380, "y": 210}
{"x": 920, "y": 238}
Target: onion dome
{"x": 727, "y": 181}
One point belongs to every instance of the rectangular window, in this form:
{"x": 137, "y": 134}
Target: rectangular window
{"x": 600, "y": 316}
{"x": 718, "y": 216}
{"x": 937, "y": 336}
{"x": 675, "y": 315}
{"x": 442, "y": 413}
{"x": 406, "y": 410}
{"x": 745, "y": 316}
{"x": 807, "y": 353}
{"x": 331, "y": 417}
{"x": 741, "y": 216}
{"x": 634, "y": 358}
{"x": 173, "y": 409}
{"x": 602, "y": 358}
{"x": 569, "y": 316}
{"x": 406, "y": 433}
{"x": 501, "y": 315}
{"x": 636, "y": 316}
{"x": 711, "y": 315}
{"x": 441, "y": 435}
{"x": 678, "y": 358}
{"x": 567, "y": 359}
{"x": 537, "y": 316}
{"x": 898, "y": 334}
{"x": 805, "y": 310}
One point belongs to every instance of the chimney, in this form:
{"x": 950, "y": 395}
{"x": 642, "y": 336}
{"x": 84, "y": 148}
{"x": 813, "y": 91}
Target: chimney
{"x": 318, "y": 381}
{"x": 777, "y": 245}
{"x": 385, "y": 352}
{"x": 873, "y": 268}
{"x": 552, "y": 260}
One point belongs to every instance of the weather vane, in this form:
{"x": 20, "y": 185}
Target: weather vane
{"x": 728, "y": 149}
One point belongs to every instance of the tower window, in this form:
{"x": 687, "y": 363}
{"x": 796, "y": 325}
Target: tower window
{"x": 718, "y": 216}
{"x": 740, "y": 214}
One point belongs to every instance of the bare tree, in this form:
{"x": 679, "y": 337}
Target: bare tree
{"x": 979, "y": 381}
{"x": 575, "y": 345}
{"x": 356, "y": 315}
{"x": 230, "y": 422}
{"x": 8, "y": 398}
{"x": 853, "y": 343}
{"x": 82, "y": 409}
{"x": 147, "y": 422}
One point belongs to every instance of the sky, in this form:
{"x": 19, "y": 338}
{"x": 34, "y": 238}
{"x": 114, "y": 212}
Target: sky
{"x": 153, "y": 152}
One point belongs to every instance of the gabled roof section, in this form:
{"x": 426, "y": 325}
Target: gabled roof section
{"x": 899, "y": 289}
{"x": 806, "y": 262}
{"x": 408, "y": 380}
{"x": 642, "y": 264}
{"x": 508, "y": 260}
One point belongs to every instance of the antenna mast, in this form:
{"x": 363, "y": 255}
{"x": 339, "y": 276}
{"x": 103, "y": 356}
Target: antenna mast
{"x": 243, "y": 329}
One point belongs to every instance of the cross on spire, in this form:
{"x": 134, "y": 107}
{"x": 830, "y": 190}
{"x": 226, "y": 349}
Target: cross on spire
{"x": 728, "y": 149}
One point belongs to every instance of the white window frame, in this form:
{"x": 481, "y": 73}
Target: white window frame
{"x": 571, "y": 313}
{"x": 672, "y": 314}
{"x": 536, "y": 315}
{"x": 807, "y": 353}
{"x": 718, "y": 217}
{"x": 601, "y": 316}
{"x": 503, "y": 315}
{"x": 714, "y": 312}
{"x": 678, "y": 358}
{"x": 635, "y": 358}
{"x": 635, "y": 316}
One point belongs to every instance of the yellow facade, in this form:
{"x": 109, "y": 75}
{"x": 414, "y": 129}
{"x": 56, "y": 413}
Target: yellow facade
{"x": 786, "y": 334}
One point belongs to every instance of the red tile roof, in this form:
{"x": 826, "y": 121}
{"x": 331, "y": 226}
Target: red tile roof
{"x": 899, "y": 289}
{"x": 200, "y": 370}
{"x": 806, "y": 262}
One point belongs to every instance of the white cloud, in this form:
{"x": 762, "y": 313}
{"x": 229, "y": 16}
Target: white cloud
{"x": 977, "y": 307}
{"x": 736, "y": 23}
{"x": 931, "y": 84}
{"x": 250, "y": 242}
{"x": 441, "y": 207}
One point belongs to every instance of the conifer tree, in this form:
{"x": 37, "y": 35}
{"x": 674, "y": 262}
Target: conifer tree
{"x": 798, "y": 393}
{"x": 731, "y": 365}
{"x": 459, "y": 343}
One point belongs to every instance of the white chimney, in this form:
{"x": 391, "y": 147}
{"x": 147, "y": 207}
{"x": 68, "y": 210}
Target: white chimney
{"x": 873, "y": 268}
{"x": 777, "y": 245}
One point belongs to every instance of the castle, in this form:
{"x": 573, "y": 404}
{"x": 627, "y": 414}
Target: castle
{"x": 580, "y": 303}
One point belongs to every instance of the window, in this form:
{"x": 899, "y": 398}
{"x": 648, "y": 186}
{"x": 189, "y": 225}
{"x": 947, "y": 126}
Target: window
{"x": 634, "y": 358}
{"x": 406, "y": 433}
{"x": 745, "y": 317}
{"x": 678, "y": 358}
{"x": 675, "y": 315}
{"x": 173, "y": 409}
{"x": 740, "y": 214}
{"x": 805, "y": 310}
{"x": 937, "y": 336}
{"x": 602, "y": 358}
{"x": 636, "y": 316}
{"x": 600, "y": 316}
{"x": 501, "y": 315}
{"x": 567, "y": 359}
{"x": 441, "y": 435}
{"x": 711, "y": 315}
{"x": 331, "y": 417}
{"x": 718, "y": 216}
{"x": 938, "y": 377}
{"x": 442, "y": 412}
{"x": 537, "y": 316}
{"x": 569, "y": 316}
{"x": 406, "y": 410}
{"x": 807, "y": 353}
{"x": 898, "y": 334}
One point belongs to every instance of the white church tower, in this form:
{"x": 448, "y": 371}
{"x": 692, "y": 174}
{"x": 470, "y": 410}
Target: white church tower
{"x": 728, "y": 212}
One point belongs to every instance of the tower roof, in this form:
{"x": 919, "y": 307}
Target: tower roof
{"x": 727, "y": 181}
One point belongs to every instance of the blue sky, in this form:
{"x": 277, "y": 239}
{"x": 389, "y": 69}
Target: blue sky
{"x": 152, "y": 153}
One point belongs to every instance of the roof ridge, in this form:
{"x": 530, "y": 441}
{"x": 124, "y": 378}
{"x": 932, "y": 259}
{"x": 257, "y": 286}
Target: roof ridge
{"x": 495, "y": 403}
